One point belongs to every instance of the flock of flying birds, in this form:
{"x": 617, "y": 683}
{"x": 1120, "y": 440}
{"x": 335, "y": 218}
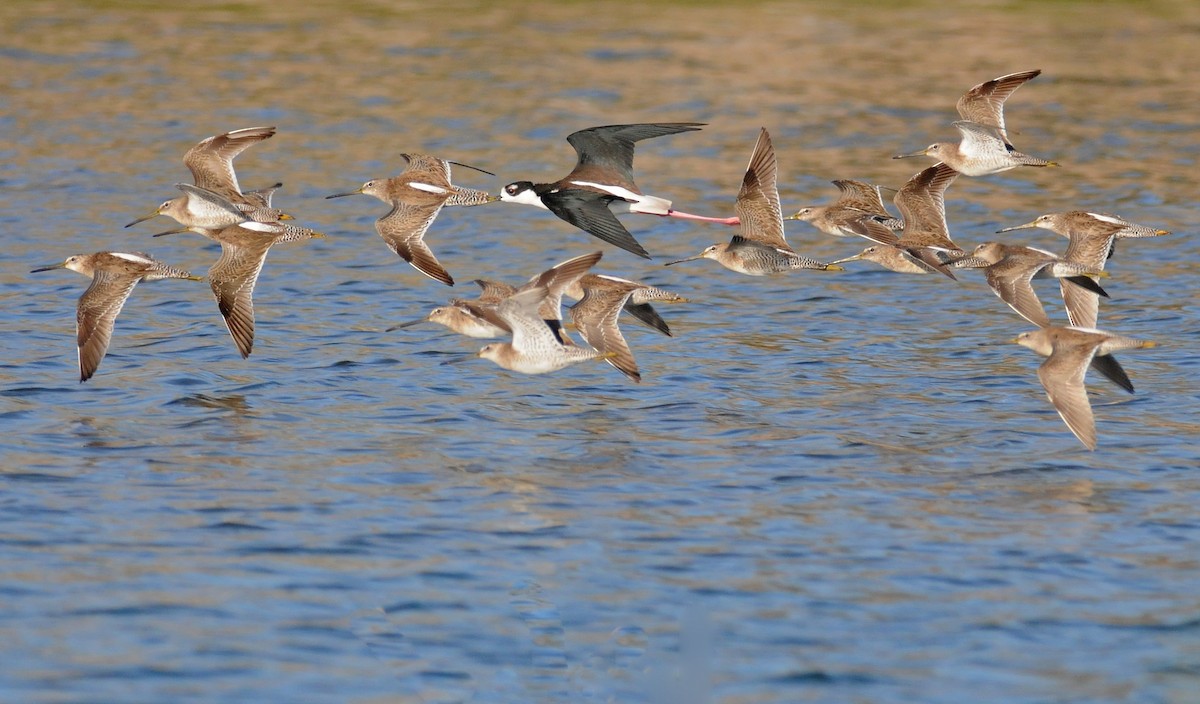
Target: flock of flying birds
{"x": 246, "y": 225}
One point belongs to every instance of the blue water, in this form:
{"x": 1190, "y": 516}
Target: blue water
{"x": 830, "y": 487}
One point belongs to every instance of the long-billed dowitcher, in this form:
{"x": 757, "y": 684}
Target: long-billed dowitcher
{"x": 1093, "y": 228}
{"x": 244, "y": 249}
{"x": 601, "y": 184}
{"x": 1069, "y": 352}
{"x": 476, "y": 318}
{"x": 465, "y": 318}
{"x": 417, "y": 195}
{"x": 211, "y": 164}
{"x": 1010, "y": 270}
{"x": 638, "y": 304}
{"x": 984, "y": 147}
{"x": 891, "y": 258}
{"x": 922, "y": 205}
{"x": 565, "y": 279}
{"x": 479, "y": 319}
{"x": 760, "y": 248}
{"x": 858, "y": 211}
{"x": 980, "y": 152}
{"x": 558, "y": 281}
{"x": 1092, "y": 239}
{"x": 536, "y": 346}
{"x": 601, "y": 300}
{"x": 114, "y": 274}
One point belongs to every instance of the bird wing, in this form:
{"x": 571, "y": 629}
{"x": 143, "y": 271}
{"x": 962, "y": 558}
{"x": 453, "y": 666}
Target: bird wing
{"x": 984, "y": 103}
{"x": 979, "y": 141}
{"x": 867, "y": 226}
{"x": 645, "y": 314}
{"x": 557, "y": 280}
{"x": 262, "y": 196}
{"x": 403, "y": 229}
{"x": 638, "y": 304}
{"x": 531, "y": 335}
{"x": 1092, "y": 246}
{"x": 1062, "y": 376}
{"x": 1083, "y": 306}
{"x": 595, "y": 315}
{"x": 232, "y": 279}
{"x": 588, "y": 210}
{"x": 1012, "y": 280}
{"x": 213, "y": 198}
{"x": 1107, "y": 365}
{"x": 922, "y": 205}
{"x": 610, "y": 148}
{"x": 427, "y": 170}
{"x": 492, "y": 292}
{"x": 97, "y": 312}
{"x": 211, "y": 161}
{"x": 757, "y": 205}
{"x": 860, "y": 196}
{"x": 484, "y": 312}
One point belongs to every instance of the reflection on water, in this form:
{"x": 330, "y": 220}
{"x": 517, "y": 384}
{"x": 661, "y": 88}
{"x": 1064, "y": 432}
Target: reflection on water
{"x": 828, "y": 488}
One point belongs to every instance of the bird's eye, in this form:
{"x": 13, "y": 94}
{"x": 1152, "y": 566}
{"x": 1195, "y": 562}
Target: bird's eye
{"x": 511, "y": 188}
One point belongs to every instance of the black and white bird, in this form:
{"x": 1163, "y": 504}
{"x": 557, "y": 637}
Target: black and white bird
{"x": 601, "y": 184}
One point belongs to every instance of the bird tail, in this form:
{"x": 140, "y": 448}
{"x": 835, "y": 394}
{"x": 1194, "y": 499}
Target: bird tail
{"x": 651, "y": 205}
{"x": 469, "y": 196}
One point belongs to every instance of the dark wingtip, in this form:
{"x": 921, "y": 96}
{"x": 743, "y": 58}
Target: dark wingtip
{"x": 628, "y": 244}
{"x": 1088, "y": 283}
{"x": 1112, "y": 370}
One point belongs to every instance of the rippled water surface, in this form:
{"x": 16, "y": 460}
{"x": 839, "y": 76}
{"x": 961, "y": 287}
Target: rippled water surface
{"x": 830, "y": 487}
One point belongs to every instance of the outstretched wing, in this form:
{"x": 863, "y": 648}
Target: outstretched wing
{"x": 588, "y": 210}
{"x": 859, "y": 195}
{"x": 531, "y": 334}
{"x": 403, "y": 229}
{"x": 595, "y": 315}
{"x": 922, "y": 205}
{"x": 232, "y": 280}
{"x": 984, "y": 103}
{"x": 211, "y": 161}
{"x": 610, "y": 148}
{"x": 96, "y": 313}
{"x": 1062, "y": 376}
{"x": 757, "y": 204}
{"x": 1012, "y": 280}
